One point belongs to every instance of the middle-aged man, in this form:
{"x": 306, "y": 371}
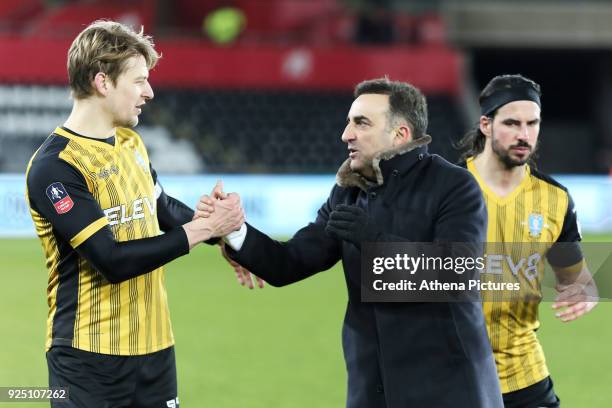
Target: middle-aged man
{"x": 390, "y": 189}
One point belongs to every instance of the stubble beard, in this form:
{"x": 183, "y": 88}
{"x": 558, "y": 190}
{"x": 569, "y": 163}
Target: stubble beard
{"x": 504, "y": 154}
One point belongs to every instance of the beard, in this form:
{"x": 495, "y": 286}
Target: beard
{"x": 504, "y": 154}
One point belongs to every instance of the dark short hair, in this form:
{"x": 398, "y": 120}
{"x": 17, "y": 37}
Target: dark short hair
{"x": 405, "y": 101}
{"x": 473, "y": 142}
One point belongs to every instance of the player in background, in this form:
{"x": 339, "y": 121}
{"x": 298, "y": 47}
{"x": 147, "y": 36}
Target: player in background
{"x": 99, "y": 212}
{"x": 524, "y": 206}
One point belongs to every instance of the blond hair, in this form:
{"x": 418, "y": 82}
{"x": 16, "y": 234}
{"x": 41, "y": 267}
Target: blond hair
{"x": 105, "y": 46}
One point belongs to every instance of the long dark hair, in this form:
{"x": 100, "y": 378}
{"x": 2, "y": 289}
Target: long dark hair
{"x": 473, "y": 142}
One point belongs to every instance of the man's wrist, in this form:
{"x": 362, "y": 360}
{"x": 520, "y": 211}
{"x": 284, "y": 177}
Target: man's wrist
{"x": 196, "y": 235}
{"x": 235, "y": 239}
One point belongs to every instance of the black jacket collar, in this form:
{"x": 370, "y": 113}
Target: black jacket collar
{"x": 400, "y": 158}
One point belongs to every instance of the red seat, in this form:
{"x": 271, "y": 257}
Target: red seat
{"x": 15, "y": 13}
{"x": 70, "y": 19}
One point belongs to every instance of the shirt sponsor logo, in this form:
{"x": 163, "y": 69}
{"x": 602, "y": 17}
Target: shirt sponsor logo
{"x": 496, "y": 263}
{"x": 135, "y": 210}
{"x": 59, "y": 197}
{"x": 173, "y": 403}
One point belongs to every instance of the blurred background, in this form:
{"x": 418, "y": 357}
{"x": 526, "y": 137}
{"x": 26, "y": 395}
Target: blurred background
{"x": 256, "y": 92}
{"x": 263, "y": 86}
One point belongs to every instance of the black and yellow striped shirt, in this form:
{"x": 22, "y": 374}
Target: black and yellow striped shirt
{"x": 537, "y": 214}
{"x": 75, "y": 187}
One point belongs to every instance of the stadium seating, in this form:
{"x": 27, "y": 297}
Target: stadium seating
{"x": 29, "y": 113}
{"x": 266, "y": 131}
{"x": 221, "y": 114}
{"x": 216, "y": 130}
{"x": 14, "y": 14}
{"x": 68, "y": 20}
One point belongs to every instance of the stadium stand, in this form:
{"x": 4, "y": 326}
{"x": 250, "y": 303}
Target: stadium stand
{"x": 14, "y": 14}
{"x": 274, "y": 102}
{"x": 29, "y": 113}
{"x": 274, "y": 131}
{"x": 188, "y": 131}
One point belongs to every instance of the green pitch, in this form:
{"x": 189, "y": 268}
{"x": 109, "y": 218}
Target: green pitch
{"x": 267, "y": 348}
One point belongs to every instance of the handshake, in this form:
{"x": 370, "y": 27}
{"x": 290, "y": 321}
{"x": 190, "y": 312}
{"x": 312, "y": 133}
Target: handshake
{"x": 215, "y": 216}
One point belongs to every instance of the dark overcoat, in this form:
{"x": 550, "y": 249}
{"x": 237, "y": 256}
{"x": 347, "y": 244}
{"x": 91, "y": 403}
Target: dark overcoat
{"x": 397, "y": 355}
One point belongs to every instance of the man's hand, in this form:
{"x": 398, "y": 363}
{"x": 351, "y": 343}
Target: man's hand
{"x": 227, "y": 217}
{"x": 243, "y": 275}
{"x": 206, "y": 206}
{"x": 352, "y": 224}
{"x": 576, "y": 298}
{"x": 204, "y": 209}
{"x": 574, "y": 301}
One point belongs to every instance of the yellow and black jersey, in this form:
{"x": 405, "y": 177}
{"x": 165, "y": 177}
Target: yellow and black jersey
{"x": 535, "y": 216}
{"x": 88, "y": 197}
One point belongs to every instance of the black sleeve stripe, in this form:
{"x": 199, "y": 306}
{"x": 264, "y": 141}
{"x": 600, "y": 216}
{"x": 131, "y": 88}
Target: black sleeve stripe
{"x": 545, "y": 177}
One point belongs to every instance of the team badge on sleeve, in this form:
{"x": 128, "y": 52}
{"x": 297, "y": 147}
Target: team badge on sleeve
{"x": 59, "y": 197}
